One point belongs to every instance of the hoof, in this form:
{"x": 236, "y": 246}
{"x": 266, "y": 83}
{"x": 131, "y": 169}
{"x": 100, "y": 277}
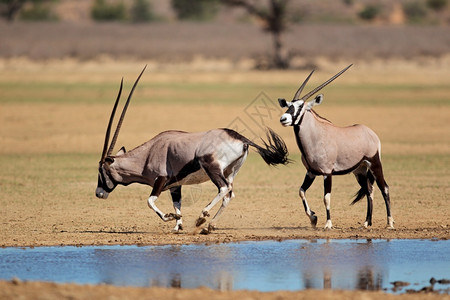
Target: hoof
{"x": 178, "y": 229}
{"x": 211, "y": 227}
{"x": 328, "y": 225}
{"x": 367, "y": 224}
{"x": 313, "y": 220}
{"x": 200, "y": 222}
{"x": 390, "y": 223}
{"x": 172, "y": 216}
{"x": 205, "y": 231}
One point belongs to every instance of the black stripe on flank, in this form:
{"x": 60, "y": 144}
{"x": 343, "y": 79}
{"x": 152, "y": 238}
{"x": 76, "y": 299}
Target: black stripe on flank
{"x": 346, "y": 171}
{"x": 351, "y": 169}
{"x": 191, "y": 167}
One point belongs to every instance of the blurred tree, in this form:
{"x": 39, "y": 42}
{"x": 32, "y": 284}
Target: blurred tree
{"x": 9, "y": 9}
{"x": 274, "y": 21}
{"x": 39, "y": 11}
{"x": 369, "y": 12}
{"x": 103, "y": 11}
{"x": 199, "y": 10}
{"x": 141, "y": 11}
{"x": 348, "y": 2}
{"x": 415, "y": 11}
{"x": 437, "y": 5}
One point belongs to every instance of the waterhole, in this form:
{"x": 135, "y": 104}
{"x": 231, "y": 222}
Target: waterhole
{"x": 263, "y": 266}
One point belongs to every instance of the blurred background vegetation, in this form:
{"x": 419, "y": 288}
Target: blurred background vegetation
{"x": 282, "y": 23}
{"x": 300, "y": 11}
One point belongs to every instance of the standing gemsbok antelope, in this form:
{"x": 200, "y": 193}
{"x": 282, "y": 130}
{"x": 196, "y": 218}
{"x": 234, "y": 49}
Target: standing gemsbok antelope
{"x": 175, "y": 158}
{"x": 329, "y": 150}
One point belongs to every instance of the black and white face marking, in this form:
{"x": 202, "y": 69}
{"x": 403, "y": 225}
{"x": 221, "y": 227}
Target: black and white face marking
{"x": 296, "y": 109}
{"x": 294, "y": 112}
{"x": 105, "y": 184}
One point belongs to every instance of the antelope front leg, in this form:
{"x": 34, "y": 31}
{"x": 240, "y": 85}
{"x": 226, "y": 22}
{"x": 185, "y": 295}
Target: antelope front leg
{"x": 157, "y": 189}
{"x": 327, "y": 200}
{"x": 309, "y": 179}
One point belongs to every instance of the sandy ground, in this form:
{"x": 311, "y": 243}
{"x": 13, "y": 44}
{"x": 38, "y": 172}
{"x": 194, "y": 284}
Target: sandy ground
{"x": 41, "y": 290}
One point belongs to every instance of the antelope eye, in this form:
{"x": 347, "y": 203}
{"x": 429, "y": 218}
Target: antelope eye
{"x": 290, "y": 109}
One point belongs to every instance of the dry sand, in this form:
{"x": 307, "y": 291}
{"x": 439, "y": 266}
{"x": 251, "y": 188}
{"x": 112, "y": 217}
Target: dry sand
{"x": 41, "y": 290}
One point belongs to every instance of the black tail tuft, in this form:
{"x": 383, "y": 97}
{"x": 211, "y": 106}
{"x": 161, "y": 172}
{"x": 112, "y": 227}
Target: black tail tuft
{"x": 274, "y": 151}
{"x": 359, "y": 195}
{"x": 366, "y": 182}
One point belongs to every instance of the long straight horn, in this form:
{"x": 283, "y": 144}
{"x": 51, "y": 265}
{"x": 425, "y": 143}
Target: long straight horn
{"x": 324, "y": 84}
{"x": 111, "y": 119}
{"x": 300, "y": 89}
{"x": 119, "y": 124}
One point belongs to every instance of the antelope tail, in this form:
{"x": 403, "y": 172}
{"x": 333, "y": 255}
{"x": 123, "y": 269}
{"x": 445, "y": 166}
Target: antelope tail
{"x": 366, "y": 182}
{"x": 274, "y": 151}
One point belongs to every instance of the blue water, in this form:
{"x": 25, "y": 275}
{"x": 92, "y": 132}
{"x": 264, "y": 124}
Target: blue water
{"x": 262, "y": 266}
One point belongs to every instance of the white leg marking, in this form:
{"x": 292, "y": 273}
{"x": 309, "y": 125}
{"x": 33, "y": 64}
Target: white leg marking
{"x": 225, "y": 202}
{"x": 328, "y": 225}
{"x": 390, "y": 223}
{"x": 327, "y": 201}
{"x": 179, "y": 223}
{"x": 312, "y": 218}
{"x": 222, "y": 192}
{"x": 151, "y": 203}
{"x": 303, "y": 197}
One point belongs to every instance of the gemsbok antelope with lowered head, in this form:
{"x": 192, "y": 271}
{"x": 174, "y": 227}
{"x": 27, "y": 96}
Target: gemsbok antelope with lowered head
{"x": 175, "y": 158}
{"x": 329, "y": 150}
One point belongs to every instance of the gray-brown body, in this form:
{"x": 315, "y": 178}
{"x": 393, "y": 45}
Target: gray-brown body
{"x": 334, "y": 150}
{"x": 176, "y": 158}
{"x": 329, "y": 150}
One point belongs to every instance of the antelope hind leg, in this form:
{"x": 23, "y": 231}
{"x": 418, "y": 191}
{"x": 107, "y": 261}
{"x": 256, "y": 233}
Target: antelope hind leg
{"x": 175, "y": 193}
{"x": 223, "y": 191}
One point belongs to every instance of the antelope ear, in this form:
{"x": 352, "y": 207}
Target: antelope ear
{"x": 283, "y": 102}
{"x": 121, "y": 151}
{"x": 109, "y": 160}
{"x": 318, "y": 100}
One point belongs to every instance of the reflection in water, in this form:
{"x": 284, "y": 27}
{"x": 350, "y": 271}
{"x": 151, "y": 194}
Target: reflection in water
{"x": 328, "y": 265}
{"x": 368, "y": 280}
{"x": 263, "y": 266}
